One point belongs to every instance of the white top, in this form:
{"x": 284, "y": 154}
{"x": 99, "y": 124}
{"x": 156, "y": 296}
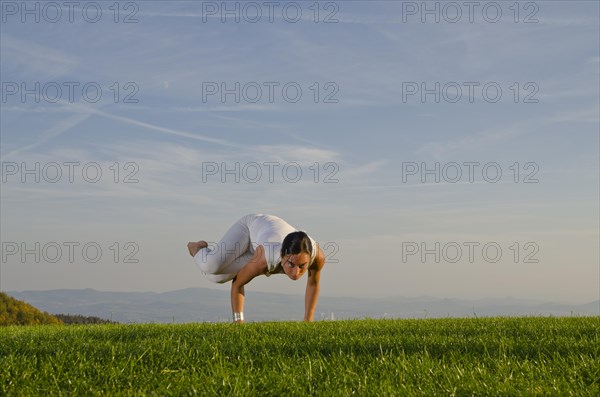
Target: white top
{"x": 269, "y": 231}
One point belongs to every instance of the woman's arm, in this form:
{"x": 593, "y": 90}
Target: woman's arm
{"x": 256, "y": 266}
{"x": 312, "y": 286}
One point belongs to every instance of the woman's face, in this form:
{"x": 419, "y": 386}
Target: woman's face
{"x": 295, "y": 265}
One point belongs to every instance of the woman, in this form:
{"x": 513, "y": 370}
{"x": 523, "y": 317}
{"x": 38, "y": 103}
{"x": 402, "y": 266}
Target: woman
{"x": 260, "y": 244}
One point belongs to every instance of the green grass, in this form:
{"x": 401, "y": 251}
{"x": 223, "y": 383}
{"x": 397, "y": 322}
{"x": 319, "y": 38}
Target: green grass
{"x": 463, "y": 357}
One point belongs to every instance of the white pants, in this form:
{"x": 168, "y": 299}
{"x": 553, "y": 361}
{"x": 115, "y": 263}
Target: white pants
{"x": 222, "y": 261}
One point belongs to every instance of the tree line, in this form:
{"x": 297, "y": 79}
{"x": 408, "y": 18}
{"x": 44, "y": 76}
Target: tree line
{"x": 17, "y": 312}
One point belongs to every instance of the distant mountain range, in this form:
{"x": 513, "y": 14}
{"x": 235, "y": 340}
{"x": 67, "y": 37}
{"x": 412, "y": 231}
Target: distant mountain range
{"x": 208, "y": 305}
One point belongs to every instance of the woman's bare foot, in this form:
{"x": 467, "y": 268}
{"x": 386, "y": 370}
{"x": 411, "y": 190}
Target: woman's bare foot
{"x": 194, "y": 247}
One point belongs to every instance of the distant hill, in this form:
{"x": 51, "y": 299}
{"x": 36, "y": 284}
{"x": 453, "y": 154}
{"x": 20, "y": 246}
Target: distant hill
{"x": 211, "y": 305}
{"x": 16, "y": 312}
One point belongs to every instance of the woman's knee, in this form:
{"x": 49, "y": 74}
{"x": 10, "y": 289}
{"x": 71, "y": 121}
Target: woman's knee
{"x": 207, "y": 262}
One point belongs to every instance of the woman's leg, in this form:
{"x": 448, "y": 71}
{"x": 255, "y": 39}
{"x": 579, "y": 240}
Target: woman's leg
{"x": 229, "y": 255}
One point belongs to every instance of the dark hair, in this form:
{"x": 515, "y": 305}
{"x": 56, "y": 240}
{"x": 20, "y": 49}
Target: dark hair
{"x": 295, "y": 243}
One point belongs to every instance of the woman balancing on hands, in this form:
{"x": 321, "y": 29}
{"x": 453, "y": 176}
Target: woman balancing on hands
{"x": 260, "y": 244}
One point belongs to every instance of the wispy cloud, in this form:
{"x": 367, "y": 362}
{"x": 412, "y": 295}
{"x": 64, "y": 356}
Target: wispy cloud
{"x": 58, "y": 129}
{"x": 474, "y": 142}
{"x": 35, "y": 60}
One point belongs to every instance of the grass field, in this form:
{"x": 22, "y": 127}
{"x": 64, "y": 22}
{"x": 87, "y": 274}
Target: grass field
{"x": 487, "y": 356}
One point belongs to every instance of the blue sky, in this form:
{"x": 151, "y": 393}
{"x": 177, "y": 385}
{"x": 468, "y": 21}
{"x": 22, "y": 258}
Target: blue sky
{"x": 371, "y": 214}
